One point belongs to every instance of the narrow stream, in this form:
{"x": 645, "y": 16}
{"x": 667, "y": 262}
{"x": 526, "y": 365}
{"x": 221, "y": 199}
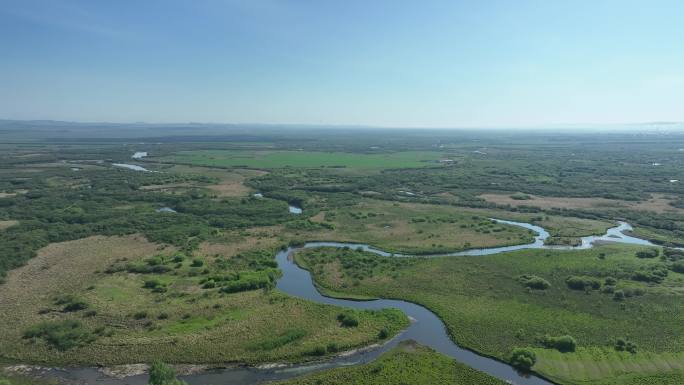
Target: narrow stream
{"x": 426, "y": 328}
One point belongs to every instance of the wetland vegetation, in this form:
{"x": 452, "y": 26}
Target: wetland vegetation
{"x": 94, "y": 274}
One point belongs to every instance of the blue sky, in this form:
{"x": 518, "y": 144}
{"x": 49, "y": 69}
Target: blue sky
{"x": 370, "y": 62}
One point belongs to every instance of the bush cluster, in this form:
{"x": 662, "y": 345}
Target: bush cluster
{"x": 562, "y": 344}
{"x": 583, "y": 283}
{"x": 534, "y": 282}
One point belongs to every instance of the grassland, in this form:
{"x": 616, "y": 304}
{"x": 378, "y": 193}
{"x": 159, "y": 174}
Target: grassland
{"x": 125, "y": 321}
{"x": 487, "y": 308}
{"x": 415, "y": 228}
{"x": 7, "y": 224}
{"x": 408, "y": 363}
{"x": 277, "y": 159}
{"x": 658, "y": 203}
{"x": 566, "y": 230}
{"x": 230, "y": 183}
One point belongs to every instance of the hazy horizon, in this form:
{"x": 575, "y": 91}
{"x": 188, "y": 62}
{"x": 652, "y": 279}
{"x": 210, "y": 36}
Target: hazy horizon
{"x": 439, "y": 64}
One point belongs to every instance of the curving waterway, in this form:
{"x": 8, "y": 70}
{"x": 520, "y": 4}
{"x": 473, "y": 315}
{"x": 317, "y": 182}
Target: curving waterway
{"x": 426, "y": 328}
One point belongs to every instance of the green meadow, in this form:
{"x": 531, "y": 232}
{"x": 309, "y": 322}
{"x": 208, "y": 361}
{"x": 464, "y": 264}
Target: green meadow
{"x": 408, "y": 363}
{"x": 489, "y": 306}
{"x": 279, "y": 159}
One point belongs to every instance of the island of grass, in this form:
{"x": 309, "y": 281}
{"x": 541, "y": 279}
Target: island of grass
{"x": 408, "y": 363}
{"x": 409, "y": 228}
{"x": 532, "y": 298}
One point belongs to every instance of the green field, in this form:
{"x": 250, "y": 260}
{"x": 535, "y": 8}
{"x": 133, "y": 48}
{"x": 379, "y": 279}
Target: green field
{"x": 408, "y": 363}
{"x": 487, "y": 308}
{"x": 305, "y": 159}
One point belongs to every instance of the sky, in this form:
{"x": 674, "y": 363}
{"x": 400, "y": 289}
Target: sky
{"x": 479, "y": 63}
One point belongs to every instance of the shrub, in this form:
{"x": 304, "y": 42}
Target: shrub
{"x": 523, "y": 359}
{"x": 534, "y": 282}
{"x": 154, "y": 261}
{"x": 151, "y": 284}
{"x": 332, "y": 347}
{"x": 678, "y": 267}
{"x": 275, "y": 342}
{"x": 652, "y": 274}
{"x": 348, "y": 320}
{"x": 162, "y": 316}
{"x": 651, "y": 253}
{"x": 197, "y": 262}
{"x": 562, "y": 344}
{"x": 75, "y": 306}
{"x": 162, "y": 374}
{"x": 140, "y": 315}
{"x": 622, "y": 344}
{"x": 610, "y": 281}
{"x": 520, "y": 197}
{"x": 582, "y": 283}
{"x": 619, "y": 295}
{"x": 61, "y": 335}
{"x": 673, "y": 254}
{"x": 383, "y": 333}
{"x": 318, "y": 351}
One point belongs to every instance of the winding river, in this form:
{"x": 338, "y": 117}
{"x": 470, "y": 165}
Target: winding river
{"x": 426, "y": 328}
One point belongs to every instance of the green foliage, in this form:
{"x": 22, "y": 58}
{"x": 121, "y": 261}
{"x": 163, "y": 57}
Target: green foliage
{"x": 162, "y": 374}
{"x": 70, "y": 303}
{"x": 468, "y": 293}
{"x": 622, "y": 344}
{"x": 678, "y": 267}
{"x": 283, "y": 339}
{"x": 582, "y": 283}
{"x": 61, "y": 335}
{"x": 523, "y": 359}
{"x": 348, "y": 319}
{"x": 248, "y": 280}
{"x": 140, "y": 315}
{"x": 408, "y": 363}
{"x": 534, "y": 282}
{"x": 563, "y": 344}
{"x": 651, "y": 273}
{"x": 650, "y": 253}
{"x": 383, "y": 334}
{"x": 520, "y": 196}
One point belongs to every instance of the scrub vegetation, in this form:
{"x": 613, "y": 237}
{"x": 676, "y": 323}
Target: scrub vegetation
{"x": 547, "y": 302}
{"x": 92, "y": 273}
{"x": 408, "y": 363}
